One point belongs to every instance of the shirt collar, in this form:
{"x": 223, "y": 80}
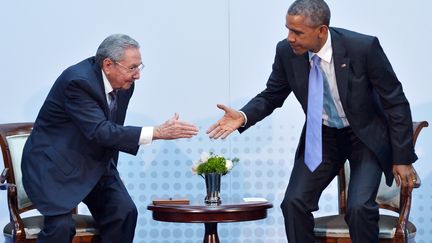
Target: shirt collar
{"x": 326, "y": 51}
{"x": 107, "y": 86}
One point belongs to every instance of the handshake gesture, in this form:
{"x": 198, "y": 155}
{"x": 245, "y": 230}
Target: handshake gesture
{"x": 175, "y": 128}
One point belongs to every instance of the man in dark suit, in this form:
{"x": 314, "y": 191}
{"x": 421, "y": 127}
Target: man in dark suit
{"x": 71, "y": 154}
{"x": 364, "y": 118}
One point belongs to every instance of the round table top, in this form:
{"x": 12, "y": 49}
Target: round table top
{"x": 202, "y": 213}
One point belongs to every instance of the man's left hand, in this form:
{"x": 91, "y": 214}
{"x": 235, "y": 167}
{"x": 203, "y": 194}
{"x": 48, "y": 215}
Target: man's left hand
{"x": 405, "y": 175}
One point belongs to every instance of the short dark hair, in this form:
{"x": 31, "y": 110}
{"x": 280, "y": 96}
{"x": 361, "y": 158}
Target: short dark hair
{"x": 113, "y": 47}
{"x": 316, "y": 12}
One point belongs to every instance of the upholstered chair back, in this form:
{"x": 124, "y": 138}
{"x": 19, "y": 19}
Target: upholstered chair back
{"x": 16, "y": 145}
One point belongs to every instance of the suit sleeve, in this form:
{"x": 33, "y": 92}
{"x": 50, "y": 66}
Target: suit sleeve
{"x": 272, "y": 97}
{"x": 394, "y": 103}
{"x": 88, "y": 115}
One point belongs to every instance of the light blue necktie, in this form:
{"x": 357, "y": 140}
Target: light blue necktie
{"x": 313, "y": 145}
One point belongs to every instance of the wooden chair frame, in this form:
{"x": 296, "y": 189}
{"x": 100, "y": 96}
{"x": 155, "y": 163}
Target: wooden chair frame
{"x": 400, "y": 235}
{"x": 19, "y": 223}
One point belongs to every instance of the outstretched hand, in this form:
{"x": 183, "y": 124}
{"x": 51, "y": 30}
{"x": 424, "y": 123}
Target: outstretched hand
{"x": 174, "y": 128}
{"x": 231, "y": 120}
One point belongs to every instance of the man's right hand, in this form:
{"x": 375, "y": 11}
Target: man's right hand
{"x": 174, "y": 128}
{"x": 230, "y": 122}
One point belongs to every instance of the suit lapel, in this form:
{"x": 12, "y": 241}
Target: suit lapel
{"x": 301, "y": 76}
{"x": 341, "y": 65}
{"x": 100, "y": 88}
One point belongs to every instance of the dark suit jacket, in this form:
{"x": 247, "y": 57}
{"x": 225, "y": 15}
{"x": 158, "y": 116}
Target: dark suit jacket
{"x": 371, "y": 95}
{"x": 73, "y": 141}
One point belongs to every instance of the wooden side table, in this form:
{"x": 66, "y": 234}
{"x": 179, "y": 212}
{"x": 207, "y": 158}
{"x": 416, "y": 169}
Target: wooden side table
{"x": 210, "y": 215}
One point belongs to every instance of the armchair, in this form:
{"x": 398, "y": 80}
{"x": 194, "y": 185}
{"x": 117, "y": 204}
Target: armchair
{"x": 25, "y": 229}
{"x": 392, "y": 229}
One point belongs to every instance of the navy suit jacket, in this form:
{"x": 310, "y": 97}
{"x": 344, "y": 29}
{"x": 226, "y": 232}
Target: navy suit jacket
{"x": 371, "y": 95}
{"x": 73, "y": 141}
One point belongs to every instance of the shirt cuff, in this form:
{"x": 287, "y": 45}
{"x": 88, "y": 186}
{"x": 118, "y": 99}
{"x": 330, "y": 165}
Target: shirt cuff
{"x": 146, "y": 136}
{"x": 245, "y": 118}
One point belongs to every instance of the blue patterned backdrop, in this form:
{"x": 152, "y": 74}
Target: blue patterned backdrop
{"x": 197, "y": 54}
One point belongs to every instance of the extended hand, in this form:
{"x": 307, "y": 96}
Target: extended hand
{"x": 174, "y": 128}
{"x": 405, "y": 175}
{"x": 231, "y": 120}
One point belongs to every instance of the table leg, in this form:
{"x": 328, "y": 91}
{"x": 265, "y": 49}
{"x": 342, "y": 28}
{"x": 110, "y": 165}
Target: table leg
{"x": 211, "y": 235}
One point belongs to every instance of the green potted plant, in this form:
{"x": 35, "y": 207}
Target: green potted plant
{"x": 212, "y": 167}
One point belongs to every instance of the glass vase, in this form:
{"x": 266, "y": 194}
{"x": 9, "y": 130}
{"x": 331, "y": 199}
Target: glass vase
{"x": 213, "y": 183}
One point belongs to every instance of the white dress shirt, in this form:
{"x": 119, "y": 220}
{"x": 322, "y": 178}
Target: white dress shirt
{"x": 327, "y": 66}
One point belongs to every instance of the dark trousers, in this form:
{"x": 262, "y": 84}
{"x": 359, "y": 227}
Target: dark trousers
{"x": 112, "y": 208}
{"x": 305, "y": 188}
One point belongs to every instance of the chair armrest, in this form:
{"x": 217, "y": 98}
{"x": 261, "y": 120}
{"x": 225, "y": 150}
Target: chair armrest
{"x": 14, "y": 214}
{"x": 405, "y": 208}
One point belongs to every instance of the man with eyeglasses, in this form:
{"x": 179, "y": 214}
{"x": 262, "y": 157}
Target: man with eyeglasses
{"x": 72, "y": 152}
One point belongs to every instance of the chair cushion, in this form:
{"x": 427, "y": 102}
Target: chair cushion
{"x": 33, "y": 225}
{"x": 335, "y": 226}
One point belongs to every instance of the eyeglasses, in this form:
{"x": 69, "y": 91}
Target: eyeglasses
{"x": 131, "y": 69}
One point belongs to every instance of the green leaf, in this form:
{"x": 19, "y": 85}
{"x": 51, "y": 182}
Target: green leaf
{"x": 215, "y": 164}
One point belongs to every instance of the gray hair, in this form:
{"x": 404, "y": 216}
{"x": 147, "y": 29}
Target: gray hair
{"x": 316, "y": 12}
{"x": 113, "y": 47}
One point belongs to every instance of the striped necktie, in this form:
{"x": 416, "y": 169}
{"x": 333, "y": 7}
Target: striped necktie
{"x": 112, "y": 105}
